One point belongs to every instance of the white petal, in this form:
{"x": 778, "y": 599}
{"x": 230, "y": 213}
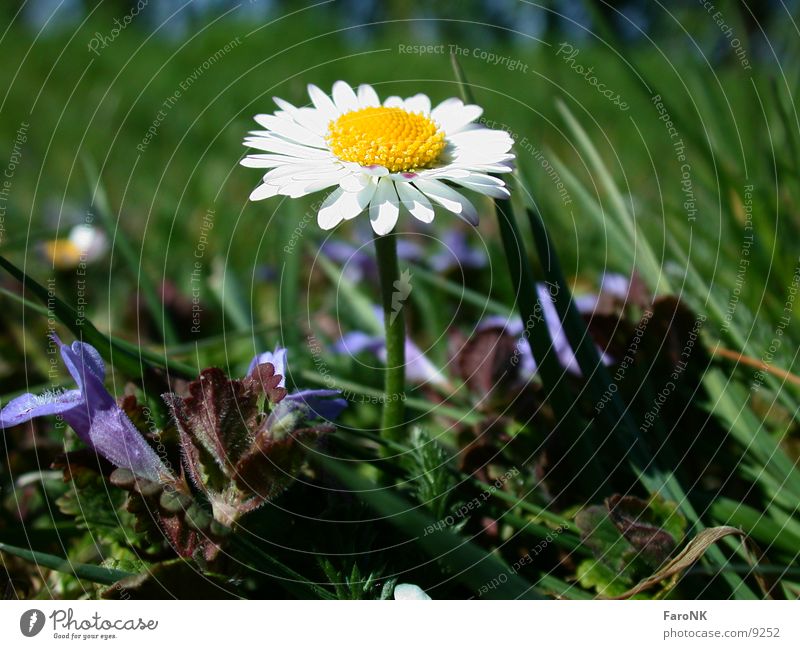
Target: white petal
{"x": 449, "y": 172}
{"x": 455, "y": 118}
{"x": 354, "y": 182}
{"x": 448, "y": 198}
{"x": 266, "y": 160}
{"x": 275, "y": 144}
{"x": 90, "y": 241}
{"x": 322, "y": 102}
{"x": 292, "y": 130}
{"x": 310, "y": 172}
{"x": 263, "y": 191}
{"x": 493, "y": 168}
{"x": 482, "y": 138}
{"x": 495, "y": 191}
{"x": 367, "y": 97}
{"x": 314, "y": 120}
{"x": 285, "y": 105}
{"x": 364, "y": 197}
{"x": 394, "y": 102}
{"x": 375, "y": 170}
{"x": 475, "y": 162}
{"x": 342, "y": 205}
{"x": 295, "y": 188}
{"x": 419, "y": 103}
{"x": 447, "y": 107}
{"x": 409, "y": 591}
{"x": 464, "y": 158}
{"x": 384, "y": 207}
{"x": 278, "y": 175}
{"x": 330, "y": 213}
{"x": 415, "y": 202}
{"x": 485, "y": 179}
{"x": 369, "y": 170}
{"x": 344, "y": 97}
{"x": 478, "y": 182}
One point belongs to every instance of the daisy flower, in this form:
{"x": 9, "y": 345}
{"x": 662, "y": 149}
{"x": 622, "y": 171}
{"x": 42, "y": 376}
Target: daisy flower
{"x": 379, "y": 157}
{"x": 84, "y": 245}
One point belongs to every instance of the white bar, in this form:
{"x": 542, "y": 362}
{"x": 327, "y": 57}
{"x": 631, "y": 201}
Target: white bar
{"x": 408, "y": 624}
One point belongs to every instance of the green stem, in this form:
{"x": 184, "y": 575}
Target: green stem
{"x": 394, "y": 323}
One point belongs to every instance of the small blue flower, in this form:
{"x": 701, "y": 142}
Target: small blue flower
{"x": 314, "y": 403}
{"x": 278, "y": 360}
{"x": 612, "y": 285}
{"x": 358, "y": 261}
{"x": 92, "y": 412}
{"x": 307, "y": 405}
{"x": 457, "y": 253}
{"x": 419, "y": 369}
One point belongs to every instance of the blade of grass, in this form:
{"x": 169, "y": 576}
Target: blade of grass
{"x": 460, "y": 291}
{"x": 289, "y": 285}
{"x": 767, "y": 532}
{"x": 361, "y": 311}
{"x": 527, "y": 303}
{"x": 129, "y": 256}
{"x": 130, "y": 359}
{"x": 228, "y": 291}
{"x": 617, "y": 420}
{"x": 652, "y": 478}
{"x": 294, "y": 582}
{"x": 648, "y": 264}
{"x": 548, "y": 366}
{"x": 96, "y": 574}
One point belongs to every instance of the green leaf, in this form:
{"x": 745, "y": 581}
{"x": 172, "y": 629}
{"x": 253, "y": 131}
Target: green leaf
{"x": 291, "y": 260}
{"x": 596, "y": 575}
{"x": 97, "y": 574}
{"x": 429, "y": 473}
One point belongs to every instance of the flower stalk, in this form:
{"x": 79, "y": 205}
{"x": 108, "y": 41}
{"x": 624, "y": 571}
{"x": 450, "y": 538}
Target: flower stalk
{"x": 394, "y": 323}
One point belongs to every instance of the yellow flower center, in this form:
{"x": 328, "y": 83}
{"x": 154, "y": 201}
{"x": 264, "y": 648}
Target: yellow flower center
{"x": 390, "y": 137}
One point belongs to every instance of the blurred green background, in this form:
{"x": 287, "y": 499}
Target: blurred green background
{"x": 89, "y": 91}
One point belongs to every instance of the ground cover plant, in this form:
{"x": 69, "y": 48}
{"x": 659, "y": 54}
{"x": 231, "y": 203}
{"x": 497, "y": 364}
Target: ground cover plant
{"x": 371, "y": 301}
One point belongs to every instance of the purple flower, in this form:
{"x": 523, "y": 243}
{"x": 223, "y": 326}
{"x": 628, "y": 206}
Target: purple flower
{"x": 616, "y": 285}
{"x": 313, "y": 404}
{"x": 278, "y": 360}
{"x": 358, "y": 262}
{"x": 418, "y": 368}
{"x": 92, "y": 412}
{"x": 585, "y": 304}
{"x": 457, "y": 253}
